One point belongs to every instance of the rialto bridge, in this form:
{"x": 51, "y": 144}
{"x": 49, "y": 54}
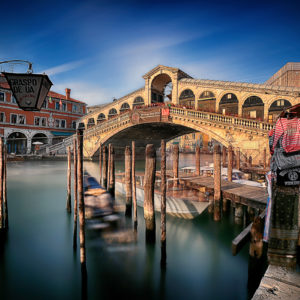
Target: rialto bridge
{"x": 232, "y": 113}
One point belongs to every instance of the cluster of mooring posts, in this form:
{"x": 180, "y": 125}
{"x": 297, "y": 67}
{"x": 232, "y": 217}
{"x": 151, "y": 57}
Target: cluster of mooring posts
{"x": 3, "y": 187}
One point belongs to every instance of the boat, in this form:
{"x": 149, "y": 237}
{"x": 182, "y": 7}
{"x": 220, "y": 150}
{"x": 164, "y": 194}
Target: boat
{"x": 180, "y": 202}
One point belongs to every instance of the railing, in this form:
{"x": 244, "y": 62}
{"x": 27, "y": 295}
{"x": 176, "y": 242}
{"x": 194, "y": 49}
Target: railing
{"x": 62, "y": 145}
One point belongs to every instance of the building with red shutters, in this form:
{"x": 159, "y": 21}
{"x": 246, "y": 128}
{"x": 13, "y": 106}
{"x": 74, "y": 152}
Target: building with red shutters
{"x": 26, "y": 131}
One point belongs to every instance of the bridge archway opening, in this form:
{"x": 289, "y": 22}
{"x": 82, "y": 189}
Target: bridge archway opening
{"x": 38, "y": 137}
{"x": 161, "y": 89}
{"x": 91, "y": 122}
{"x": 253, "y": 108}
{"x": 276, "y": 108}
{"x": 112, "y": 112}
{"x": 138, "y": 101}
{"x": 101, "y": 117}
{"x": 16, "y": 143}
{"x": 124, "y": 107}
{"x": 187, "y": 99}
{"x": 207, "y": 101}
{"x": 229, "y": 105}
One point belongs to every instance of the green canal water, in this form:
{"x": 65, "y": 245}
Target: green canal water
{"x": 37, "y": 260}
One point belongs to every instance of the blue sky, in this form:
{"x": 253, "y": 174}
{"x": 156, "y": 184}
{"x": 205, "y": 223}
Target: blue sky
{"x": 101, "y": 49}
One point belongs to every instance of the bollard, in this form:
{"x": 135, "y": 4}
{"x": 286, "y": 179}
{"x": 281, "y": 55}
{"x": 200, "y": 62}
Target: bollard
{"x": 217, "y": 182}
{"x": 197, "y": 160}
{"x": 230, "y": 162}
{"x": 149, "y": 180}
{"x": 163, "y": 203}
{"x": 75, "y": 193}
{"x": 81, "y": 200}
{"x": 175, "y": 158}
{"x": 104, "y": 174}
{"x": 134, "y": 186}
{"x": 69, "y": 182}
{"x": 128, "y": 183}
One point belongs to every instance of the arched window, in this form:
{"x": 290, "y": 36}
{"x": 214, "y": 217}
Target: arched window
{"x": 100, "y": 118}
{"x": 161, "y": 88}
{"x": 187, "y": 98}
{"x": 207, "y": 101}
{"x": 253, "y": 108}
{"x": 125, "y": 106}
{"x": 138, "y": 101}
{"x": 91, "y": 122}
{"x": 276, "y": 108}
{"x": 112, "y": 112}
{"x": 229, "y": 104}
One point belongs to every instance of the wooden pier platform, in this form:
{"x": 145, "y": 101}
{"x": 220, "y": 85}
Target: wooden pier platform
{"x": 252, "y": 196}
{"x": 279, "y": 283}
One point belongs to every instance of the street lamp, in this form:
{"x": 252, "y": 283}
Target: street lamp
{"x": 29, "y": 90}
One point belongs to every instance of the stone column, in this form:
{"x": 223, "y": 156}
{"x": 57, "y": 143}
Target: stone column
{"x": 29, "y": 141}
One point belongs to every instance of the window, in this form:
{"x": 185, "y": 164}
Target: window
{"x": 21, "y": 119}
{"x": 63, "y": 123}
{"x": 57, "y": 106}
{"x": 44, "y": 122}
{"x": 74, "y": 124}
{"x": 57, "y": 123}
{"x": 13, "y": 99}
{"x": 36, "y": 121}
{"x": 74, "y": 108}
{"x": 13, "y": 118}
{"x": 64, "y": 106}
{"x": 2, "y": 117}
{"x": 2, "y": 96}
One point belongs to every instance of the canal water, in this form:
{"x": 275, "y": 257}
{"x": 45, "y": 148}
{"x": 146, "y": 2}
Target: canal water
{"x": 37, "y": 260}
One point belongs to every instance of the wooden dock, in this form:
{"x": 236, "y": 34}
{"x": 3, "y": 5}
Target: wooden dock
{"x": 252, "y": 196}
{"x": 279, "y": 283}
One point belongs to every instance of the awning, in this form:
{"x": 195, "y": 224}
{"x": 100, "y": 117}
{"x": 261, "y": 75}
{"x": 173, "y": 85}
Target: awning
{"x": 61, "y": 133}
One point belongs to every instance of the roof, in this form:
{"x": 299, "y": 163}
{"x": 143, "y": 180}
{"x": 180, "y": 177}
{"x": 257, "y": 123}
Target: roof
{"x": 171, "y": 69}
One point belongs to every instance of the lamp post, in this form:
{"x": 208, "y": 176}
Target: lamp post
{"x": 29, "y": 90}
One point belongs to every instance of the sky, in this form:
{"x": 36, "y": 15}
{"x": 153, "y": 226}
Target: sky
{"x": 101, "y": 49}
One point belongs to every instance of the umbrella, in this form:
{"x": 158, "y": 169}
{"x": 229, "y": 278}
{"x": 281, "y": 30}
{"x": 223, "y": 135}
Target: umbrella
{"x": 37, "y": 143}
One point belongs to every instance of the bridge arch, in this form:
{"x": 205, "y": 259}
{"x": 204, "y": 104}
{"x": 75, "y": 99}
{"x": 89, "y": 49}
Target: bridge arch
{"x": 101, "y": 117}
{"x": 228, "y": 104}
{"x": 276, "y": 107}
{"x": 159, "y": 83}
{"x": 138, "y": 101}
{"x": 112, "y": 112}
{"x": 187, "y": 98}
{"x": 17, "y": 143}
{"x": 253, "y": 107}
{"x": 207, "y": 101}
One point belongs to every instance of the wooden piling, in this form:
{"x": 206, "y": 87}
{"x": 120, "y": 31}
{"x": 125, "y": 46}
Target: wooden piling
{"x": 75, "y": 193}
{"x": 163, "y": 202}
{"x": 175, "y": 158}
{"x": 1, "y": 182}
{"x": 230, "y": 164}
{"x": 100, "y": 163}
{"x": 128, "y": 183}
{"x": 197, "y": 160}
{"x": 134, "y": 186}
{"x": 111, "y": 178}
{"x": 265, "y": 158}
{"x": 256, "y": 241}
{"x": 69, "y": 181}
{"x": 238, "y": 159}
{"x": 108, "y": 167}
{"x": 5, "y": 205}
{"x": 224, "y": 156}
{"x": 149, "y": 180}
{"x": 81, "y": 200}
{"x": 104, "y": 174}
{"x": 217, "y": 182}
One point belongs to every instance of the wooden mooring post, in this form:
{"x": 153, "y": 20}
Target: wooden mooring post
{"x": 284, "y": 229}
{"x": 230, "y": 164}
{"x": 163, "y": 238}
{"x": 217, "y": 182}
{"x": 128, "y": 183}
{"x": 104, "y": 174}
{"x": 69, "y": 182}
{"x": 224, "y": 156}
{"x": 81, "y": 200}
{"x": 175, "y": 158}
{"x": 100, "y": 163}
{"x": 197, "y": 160}
{"x": 149, "y": 180}
{"x": 75, "y": 157}
{"x": 1, "y": 185}
{"x": 108, "y": 167}
{"x": 134, "y": 186}
{"x": 111, "y": 187}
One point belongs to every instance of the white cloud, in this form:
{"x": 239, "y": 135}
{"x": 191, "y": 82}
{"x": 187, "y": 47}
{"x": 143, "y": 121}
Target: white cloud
{"x": 64, "y": 67}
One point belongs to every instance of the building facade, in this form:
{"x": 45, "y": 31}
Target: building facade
{"x": 26, "y": 131}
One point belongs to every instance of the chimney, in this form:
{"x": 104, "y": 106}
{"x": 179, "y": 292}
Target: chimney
{"x": 68, "y": 93}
